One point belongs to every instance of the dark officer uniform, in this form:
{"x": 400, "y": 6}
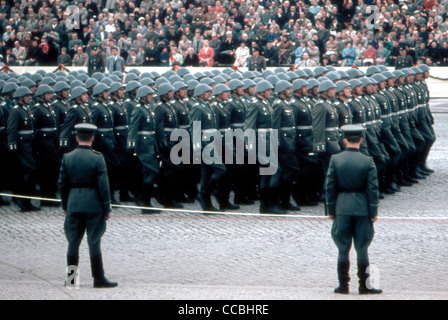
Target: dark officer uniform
{"x": 76, "y": 114}
{"x": 142, "y": 142}
{"x": 47, "y": 149}
{"x": 359, "y": 117}
{"x": 85, "y": 198}
{"x": 403, "y": 62}
{"x": 60, "y": 108}
{"x": 96, "y": 63}
{"x": 256, "y": 63}
{"x": 352, "y": 199}
{"x": 212, "y": 173}
{"x": 5, "y": 108}
{"x": 21, "y": 133}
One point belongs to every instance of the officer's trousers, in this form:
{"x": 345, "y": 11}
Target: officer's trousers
{"x": 77, "y": 224}
{"x": 356, "y": 229}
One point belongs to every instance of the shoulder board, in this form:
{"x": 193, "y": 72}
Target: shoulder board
{"x": 336, "y": 103}
{"x": 196, "y": 104}
{"x": 253, "y": 99}
{"x": 138, "y": 105}
{"x": 95, "y": 104}
{"x": 16, "y": 107}
{"x": 214, "y": 103}
{"x": 292, "y": 100}
{"x": 159, "y": 103}
{"x": 230, "y": 100}
{"x": 127, "y": 100}
{"x": 277, "y": 101}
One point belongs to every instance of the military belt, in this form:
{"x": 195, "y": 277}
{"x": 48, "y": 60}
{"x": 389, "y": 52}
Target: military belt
{"x": 146, "y": 133}
{"x": 402, "y": 112}
{"x": 304, "y": 127}
{"x": 169, "y": 129}
{"x": 121, "y": 128}
{"x": 224, "y": 130}
{"x": 287, "y": 128}
{"x": 25, "y": 132}
{"x": 209, "y": 130}
{"x": 83, "y": 185}
{"x": 265, "y": 129}
{"x": 334, "y": 129}
{"x": 184, "y": 126}
{"x": 369, "y": 123}
{"x": 238, "y": 125}
{"x": 384, "y": 116}
{"x": 47, "y": 130}
{"x": 105, "y": 129}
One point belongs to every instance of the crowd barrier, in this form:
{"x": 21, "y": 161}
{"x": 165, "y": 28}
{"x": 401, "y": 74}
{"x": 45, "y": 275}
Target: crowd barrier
{"x": 436, "y": 83}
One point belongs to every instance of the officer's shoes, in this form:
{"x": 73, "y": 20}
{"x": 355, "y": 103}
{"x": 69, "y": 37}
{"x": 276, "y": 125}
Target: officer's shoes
{"x": 289, "y": 207}
{"x": 417, "y": 175}
{"x": 276, "y": 210}
{"x": 342, "y": 290}
{"x": 228, "y": 206}
{"x": 173, "y": 205}
{"x": 3, "y": 202}
{"x": 243, "y": 201}
{"x": 395, "y": 187}
{"x": 104, "y": 283}
{"x": 425, "y": 168}
{"x": 365, "y": 290}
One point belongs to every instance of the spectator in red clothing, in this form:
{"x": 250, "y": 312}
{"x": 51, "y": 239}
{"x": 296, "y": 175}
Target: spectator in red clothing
{"x": 369, "y": 55}
{"x": 428, "y": 4}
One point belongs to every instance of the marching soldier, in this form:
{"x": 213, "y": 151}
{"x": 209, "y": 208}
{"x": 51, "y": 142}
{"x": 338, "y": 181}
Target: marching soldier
{"x": 131, "y": 101}
{"x": 102, "y": 118}
{"x": 213, "y": 173}
{"x": 189, "y": 177}
{"x": 325, "y": 124}
{"x": 60, "y": 104}
{"x": 310, "y": 181}
{"x": 260, "y": 118}
{"x": 142, "y": 143}
{"x": 48, "y": 159}
{"x": 285, "y": 123}
{"x": 167, "y": 120}
{"x": 79, "y": 112}
{"x": 87, "y": 209}
{"x": 256, "y": 62}
{"x": 21, "y": 131}
{"x": 358, "y": 111}
{"x": 120, "y": 121}
{"x": 221, "y": 94}
{"x": 5, "y": 161}
{"x": 352, "y": 202}
{"x": 96, "y": 61}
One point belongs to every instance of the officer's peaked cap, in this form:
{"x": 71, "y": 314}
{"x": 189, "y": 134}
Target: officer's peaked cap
{"x": 85, "y": 128}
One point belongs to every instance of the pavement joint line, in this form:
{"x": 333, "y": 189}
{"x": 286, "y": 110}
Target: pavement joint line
{"x": 440, "y": 220}
{"x": 38, "y": 277}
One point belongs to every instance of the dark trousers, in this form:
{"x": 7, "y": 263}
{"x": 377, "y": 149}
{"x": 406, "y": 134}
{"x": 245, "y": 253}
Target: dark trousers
{"x": 77, "y": 224}
{"x": 356, "y": 229}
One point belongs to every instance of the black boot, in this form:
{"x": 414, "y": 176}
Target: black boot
{"x": 273, "y": 203}
{"x": 99, "y": 280}
{"x": 343, "y": 277}
{"x": 146, "y": 201}
{"x": 206, "y": 201}
{"x": 3, "y": 202}
{"x": 363, "y": 277}
{"x": 72, "y": 262}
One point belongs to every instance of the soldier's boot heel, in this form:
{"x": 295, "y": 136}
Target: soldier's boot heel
{"x": 99, "y": 280}
{"x": 343, "y": 277}
{"x": 363, "y": 278}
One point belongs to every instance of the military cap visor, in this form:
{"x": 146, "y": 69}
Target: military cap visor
{"x": 85, "y": 128}
{"x": 353, "y": 130}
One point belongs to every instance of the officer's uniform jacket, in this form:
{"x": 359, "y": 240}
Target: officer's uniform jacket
{"x": 237, "y": 109}
{"x": 142, "y": 139}
{"x": 60, "y": 108}
{"x": 201, "y": 112}
{"x": 20, "y": 129}
{"x": 425, "y": 89}
{"x": 182, "y": 112}
{"x": 256, "y": 63}
{"x": 358, "y": 112}
{"x": 260, "y": 118}
{"x": 352, "y": 185}
{"x": 104, "y": 141}
{"x": 221, "y": 110}
{"x": 403, "y": 62}
{"x": 167, "y": 121}
{"x": 95, "y": 64}
{"x": 121, "y": 127}
{"x": 304, "y": 124}
{"x": 83, "y": 182}
{"x": 411, "y": 104}
{"x": 129, "y": 105}
{"x": 45, "y": 125}
{"x": 5, "y": 108}
{"x": 371, "y": 133}
{"x": 78, "y": 113}
{"x": 325, "y": 127}
{"x": 285, "y": 123}
{"x": 344, "y": 112}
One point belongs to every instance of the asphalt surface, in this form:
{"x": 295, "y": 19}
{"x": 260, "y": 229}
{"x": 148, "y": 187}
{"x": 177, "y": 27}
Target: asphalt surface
{"x": 188, "y": 255}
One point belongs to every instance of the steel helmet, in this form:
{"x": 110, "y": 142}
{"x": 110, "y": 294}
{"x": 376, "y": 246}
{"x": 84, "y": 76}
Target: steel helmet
{"x": 147, "y": 82}
{"x": 131, "y": 77}
{"x": 325, "y": 86}
{"x": 91, "y": 83}
{"x": 22, "y": 91}
{"x": 114, "y": 87}
{"x": 248, "y": 83}
{"x": 273, "y": 80}
{"x": 191, "y": 84}
{"x": 28, "y": 83}
{"x": 354, "y": 83}
{"x": 164, "y": 88}
{"x": 219, "y": 79}
{"x": 132, "y": 85}
{"x": 379, "y": 77}
{"x": 220, "y": 88}
{"x": 9, "y": 87}
{"x": 200, "y": 89}
{"x": 333, "y": 76}
{"x": 60, "y": 86}
{"x": 144, "y": 91}
{"x": 43, "y": 89}
{"x": 179, "y": 85}
{"x": 263, "y": 85}
{"x": 235, "y": 83}
{"x": 100, "y": 88}
{"x": 298, "y": 84}
{"x": 341, "y": 85}
{"x": 318, "y": 71}
{"x": 312, "y": 83}
{"x": 174, "y": 78}
{"x": 282, "y": 85}
{"x": 372, "y": 70}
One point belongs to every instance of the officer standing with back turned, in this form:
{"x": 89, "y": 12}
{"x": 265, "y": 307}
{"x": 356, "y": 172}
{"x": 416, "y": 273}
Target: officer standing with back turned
{"x": 86, "y": 202}
{"x": 352, "y": 202}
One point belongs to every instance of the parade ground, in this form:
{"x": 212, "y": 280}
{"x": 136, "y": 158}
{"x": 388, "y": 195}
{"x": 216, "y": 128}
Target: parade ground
{"x": 238, "y": 256}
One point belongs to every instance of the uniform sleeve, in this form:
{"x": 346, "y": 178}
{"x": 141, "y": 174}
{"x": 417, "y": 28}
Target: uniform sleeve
{"x": 68, "y": 126}
{"x": 64, "y": 184}
{"x": 160, "y": 125}
{"x": 103, "y": 184}
{"x": 251, "y": 118}
{"x": 372, "y": 190}
{"x": 330, "y": 189}
{"x": 195, "y": 114}
{"x": 278, "y": 109}
{"x": 12, "y": 127}
{"x": 319, "y": 124}
{"x": 133, "y": 128}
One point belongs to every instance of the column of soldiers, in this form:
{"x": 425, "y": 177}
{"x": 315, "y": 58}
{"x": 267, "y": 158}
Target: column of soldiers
{"x": 136, "y": 114}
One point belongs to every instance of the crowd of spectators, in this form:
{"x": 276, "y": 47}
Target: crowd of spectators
{"x": 215, "y": 33}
